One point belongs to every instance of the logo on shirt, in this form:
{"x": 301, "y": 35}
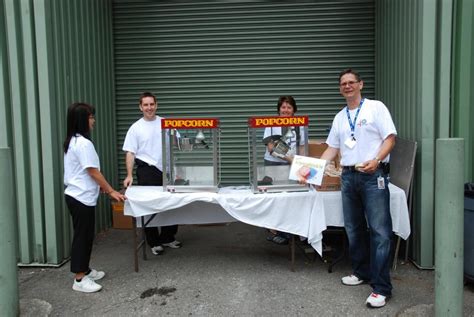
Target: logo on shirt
{"x": 362, "y": 122}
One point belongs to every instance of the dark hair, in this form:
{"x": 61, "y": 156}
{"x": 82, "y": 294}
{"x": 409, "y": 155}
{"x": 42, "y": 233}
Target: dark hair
{"x": 145, "y": 95}
{"x": 78, "y": 121}
{"x": 287, "y": 99}
{"x": 349, "y": 71}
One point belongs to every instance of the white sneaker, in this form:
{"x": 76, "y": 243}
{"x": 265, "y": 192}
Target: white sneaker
{"x": 376, "y": 300}
{"x": 157, "y": 250}
{"x": 352, "y": 280}
{"x": 86, "y": 285}
{"x": 95, "y": 275}
{"x": 173, "y": 244}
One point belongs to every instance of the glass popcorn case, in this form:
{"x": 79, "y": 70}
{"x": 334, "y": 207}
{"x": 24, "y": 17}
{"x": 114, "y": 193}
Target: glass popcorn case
{"x": 273, "y": 141}
{"x": 191, "y": 155}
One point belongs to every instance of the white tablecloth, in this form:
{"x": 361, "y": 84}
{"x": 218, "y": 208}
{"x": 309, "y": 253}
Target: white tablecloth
{"x": 305, "y": 214}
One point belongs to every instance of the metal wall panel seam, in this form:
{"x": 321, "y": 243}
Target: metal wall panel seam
{"x": 33, "y": 130}
{"x": 110, "y": 96}
{"x": 92, "y": 81}
{"x": 100, "y": 78}
{"x": 48, "y": 119}
{"x": 13, "y": 19}
{"x": 62, "y": 77}
{"x": 91, "y": 76}
{"x": 5, "y": 102}
{"x": 82, "y": 61}
{"x": 75, "y": 35}
{"x": 463, "y": 77}
{"x": 109, "y": 83}
{"x": 427, "y": 129}
{"x": 445, "y": 30}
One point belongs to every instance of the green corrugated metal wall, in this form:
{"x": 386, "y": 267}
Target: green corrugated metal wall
{"x": 233, "y": 59}
{"x": 463, "y": 93}
{"x": 415, "y": 73}
{"x": 52, "y": 53}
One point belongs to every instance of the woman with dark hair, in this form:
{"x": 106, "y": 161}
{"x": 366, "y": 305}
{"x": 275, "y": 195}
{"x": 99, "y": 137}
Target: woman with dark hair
{"x": 83, "y": 180}
{"x": 286, "y": 107}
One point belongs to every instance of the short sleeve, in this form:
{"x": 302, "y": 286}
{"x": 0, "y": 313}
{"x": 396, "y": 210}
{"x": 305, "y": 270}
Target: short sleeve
{"x": 86, "y": 155}
{"x": 130, "y": 143}
{"x": 333, "y": 137}
{"x": 385, "y": 126}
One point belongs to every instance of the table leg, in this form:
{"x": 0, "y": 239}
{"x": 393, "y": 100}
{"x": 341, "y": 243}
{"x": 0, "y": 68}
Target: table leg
{"x": 341, "y": 256}
{"x": 143, "y": 242}
{"x": 292, "y": 251}
{"x": 395, "y": 256}
{"x": 135, "y": 242}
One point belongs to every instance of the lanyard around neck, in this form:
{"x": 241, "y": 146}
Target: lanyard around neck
{"x": 353, "y": 123}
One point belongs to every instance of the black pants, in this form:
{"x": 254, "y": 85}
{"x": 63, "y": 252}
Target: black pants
{"x": 83, "y": 221}
{"x": 152, "y": 176}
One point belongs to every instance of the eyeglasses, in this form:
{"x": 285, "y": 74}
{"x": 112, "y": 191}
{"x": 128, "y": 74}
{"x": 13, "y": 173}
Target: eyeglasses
{"x": 350, "y": 83}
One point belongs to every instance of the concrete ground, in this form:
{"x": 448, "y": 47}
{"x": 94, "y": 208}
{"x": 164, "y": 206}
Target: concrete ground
{"x": 221, "y": 270}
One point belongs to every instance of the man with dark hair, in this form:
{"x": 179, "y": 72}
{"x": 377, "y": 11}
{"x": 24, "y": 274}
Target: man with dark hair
{"x": 364, "y": 133}
{"x": 143, "y": 146}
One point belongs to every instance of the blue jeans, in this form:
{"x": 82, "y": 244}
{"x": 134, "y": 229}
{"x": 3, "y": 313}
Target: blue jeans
{"x": 367, "y": 206}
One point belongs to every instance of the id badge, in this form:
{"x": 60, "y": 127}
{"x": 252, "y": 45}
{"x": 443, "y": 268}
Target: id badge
{"x": 381, "y": 182}
{"x": 350, "y": 143}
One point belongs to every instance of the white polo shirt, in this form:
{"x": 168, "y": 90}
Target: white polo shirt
{"x": 374, "y": 124}
{"x": 79, "y": 184}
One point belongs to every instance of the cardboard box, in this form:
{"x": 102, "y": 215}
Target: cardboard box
{"x": 316, "y": 147}
{"x": 119, "y": 221}
{"x": 330, "y": 183}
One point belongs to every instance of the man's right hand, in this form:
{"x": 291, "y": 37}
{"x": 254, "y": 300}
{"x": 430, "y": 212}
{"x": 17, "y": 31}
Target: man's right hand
{"x": 127, "y": 181}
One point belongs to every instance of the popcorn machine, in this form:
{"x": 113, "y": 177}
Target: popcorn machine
{"x": 191, "y": 154}
{"x": 273, "y": 141}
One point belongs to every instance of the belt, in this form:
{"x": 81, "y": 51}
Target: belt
{"x": 384, "y": 166}
{"x": 351, "y": 168}
{"x": 141, "y": 163}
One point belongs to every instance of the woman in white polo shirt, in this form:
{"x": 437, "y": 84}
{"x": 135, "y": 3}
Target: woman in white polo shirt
{"x": 83, "y": 180}
{"x": 286, "y": 107}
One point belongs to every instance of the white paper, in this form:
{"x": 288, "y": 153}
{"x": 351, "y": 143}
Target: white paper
{"x": 306, "y": 168}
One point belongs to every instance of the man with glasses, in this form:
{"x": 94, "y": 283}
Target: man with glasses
{"x": 364, "y": 133}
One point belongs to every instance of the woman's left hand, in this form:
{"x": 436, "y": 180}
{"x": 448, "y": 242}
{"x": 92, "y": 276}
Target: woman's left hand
{"x": 115, "y": 195}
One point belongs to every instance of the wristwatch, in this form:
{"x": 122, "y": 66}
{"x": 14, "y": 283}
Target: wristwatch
{"x": 378, "y": 160}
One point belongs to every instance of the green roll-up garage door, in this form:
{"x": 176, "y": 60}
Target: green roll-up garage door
{"x": 233, "y": 59}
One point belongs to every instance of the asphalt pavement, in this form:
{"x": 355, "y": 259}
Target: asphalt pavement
{"x": 221, "y": 270}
